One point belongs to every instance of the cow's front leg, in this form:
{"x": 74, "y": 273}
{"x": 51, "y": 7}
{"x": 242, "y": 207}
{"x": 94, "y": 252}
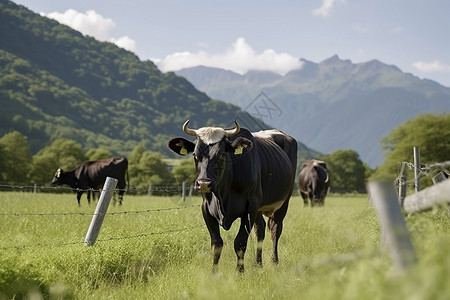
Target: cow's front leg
{"x": 214, "y": 232}
{"x": 260, "y": 230}
{"x": 305, "y": 198}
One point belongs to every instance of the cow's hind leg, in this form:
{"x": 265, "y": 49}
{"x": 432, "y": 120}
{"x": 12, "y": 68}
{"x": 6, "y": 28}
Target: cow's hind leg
{"x": 121, "y": 186}
{"x": 260, "y": 230}
{"x": 240, "y": 242}
{"x": 275, "y": 225}
{"x": 79, "y": 193}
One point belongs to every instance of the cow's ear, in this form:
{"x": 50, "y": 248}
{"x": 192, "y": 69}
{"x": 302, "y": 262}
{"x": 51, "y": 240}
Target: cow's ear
{"x": 241, "y": 144}
{"x": 181, "y": 146}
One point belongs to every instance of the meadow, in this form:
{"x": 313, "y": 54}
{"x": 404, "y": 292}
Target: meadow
{"x": 158, "y": 248}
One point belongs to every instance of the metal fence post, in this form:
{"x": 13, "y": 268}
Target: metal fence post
{"x": 416, "y": 168}
{"x": 393, "y": 227}
{"x": 150, "y": 189}
{"x": 100, "y": 211}
{"x": 183, "y": 191}
{"x": 401, "y": 180}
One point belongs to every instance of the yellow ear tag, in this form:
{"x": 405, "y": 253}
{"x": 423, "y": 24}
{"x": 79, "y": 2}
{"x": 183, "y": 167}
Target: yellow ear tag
{"x": 238, "y": 150}
{"x": 183, "y": 151}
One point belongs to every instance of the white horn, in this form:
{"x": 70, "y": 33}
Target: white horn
{"x": 233, "y": 131}
{"x": 187, "y": 130}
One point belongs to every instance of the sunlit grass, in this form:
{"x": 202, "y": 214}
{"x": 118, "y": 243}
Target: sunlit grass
{"x": 331, "y": 252}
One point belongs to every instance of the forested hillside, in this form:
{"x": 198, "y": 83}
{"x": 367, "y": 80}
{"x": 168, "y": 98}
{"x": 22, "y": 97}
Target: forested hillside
{"x": 57, "y": 83}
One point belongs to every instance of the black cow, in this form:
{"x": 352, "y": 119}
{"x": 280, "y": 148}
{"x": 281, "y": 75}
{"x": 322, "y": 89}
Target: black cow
{"x": 314, "y": 180}
{"x": 241, "y": 175}
{"x": 92, "y": 175}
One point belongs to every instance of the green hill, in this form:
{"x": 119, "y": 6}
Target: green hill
{"x": 57, "y": 83}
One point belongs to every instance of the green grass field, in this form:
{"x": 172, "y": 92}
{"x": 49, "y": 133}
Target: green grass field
{"x": 159, "y": 249}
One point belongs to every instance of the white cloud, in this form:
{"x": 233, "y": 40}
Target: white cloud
{"x": 239, "y": 58}
{"x": 125, "y": 42}
{"x": 430, "y": 67}
{"x": 325, "y": 9}
{"x": 93, "y": 24}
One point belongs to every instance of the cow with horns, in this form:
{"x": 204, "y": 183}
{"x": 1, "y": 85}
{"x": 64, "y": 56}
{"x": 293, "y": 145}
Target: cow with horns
{"x": 314, "y": 181}
{"x": 241, "y": 175}
{"x": 92, "y": 175}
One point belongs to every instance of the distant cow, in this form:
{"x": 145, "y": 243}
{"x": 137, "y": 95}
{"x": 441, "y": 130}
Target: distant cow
{"x": 314, "y": 181}
{"x": 241, "y": 175}
{"x": 92, "y": 175}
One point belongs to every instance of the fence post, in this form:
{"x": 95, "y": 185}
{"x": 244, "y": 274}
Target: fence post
{"x": 416, "y": 168}
{"x": 393, "y": 227}
{"x": 183, "y": 191}
{"x": 435, "y": 195}
{"x": 150, "y": 189}
{"x": 35, "y": 188}
{"x": 401, "y": 180}
{"x": 100, "y": 211}
{"x": 191, "y": 190}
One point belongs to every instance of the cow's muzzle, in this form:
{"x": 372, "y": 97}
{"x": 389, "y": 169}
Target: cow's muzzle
{"x": 203, "y": 185}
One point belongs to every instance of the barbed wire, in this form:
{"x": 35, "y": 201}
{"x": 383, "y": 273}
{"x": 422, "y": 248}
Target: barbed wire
{"x": 424, "y": 171}
{"x": 425, "y": 168}
{"x": 103, "y": 240}
{"x": 164, "y": 189}
{"x": 94, "y": 214}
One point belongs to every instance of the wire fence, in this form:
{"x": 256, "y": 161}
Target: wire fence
{"x": 62, "y": 189}
{"x": 429, "y": 170}
{"x": 80, "y": 242}
{"x": 18, "y": 214}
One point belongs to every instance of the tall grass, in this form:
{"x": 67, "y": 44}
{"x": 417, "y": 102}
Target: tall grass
{"x": 325, "y": 253}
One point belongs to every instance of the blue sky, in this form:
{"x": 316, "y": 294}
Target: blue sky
{"x": 239, "y": 35}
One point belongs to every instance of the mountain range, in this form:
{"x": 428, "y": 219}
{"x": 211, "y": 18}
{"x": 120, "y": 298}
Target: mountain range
{"x": 331, "y": 105}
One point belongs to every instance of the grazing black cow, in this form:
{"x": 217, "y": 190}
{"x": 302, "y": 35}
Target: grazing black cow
{"x": 92, "y": 175}
{"x": 242, "y": 175}
{"x": 314, "y": 180}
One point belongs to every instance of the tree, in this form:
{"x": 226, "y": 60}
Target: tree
{"x": 430, "y": 132}
{"x": 347, "y": 172}
{"x": 147, "y": 167}
{"x": 97, "y": 153}
{"x": 185, "y": 171}
{"x": 63, "y": 153}
{"x": 16, "y": 157}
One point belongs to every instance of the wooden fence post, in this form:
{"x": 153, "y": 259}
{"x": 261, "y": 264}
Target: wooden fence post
{"x": 438, "y": 194}
{"x": 393, "y": 227}
{"x": 100, "y": 211}
{"x": 416, "y": 168}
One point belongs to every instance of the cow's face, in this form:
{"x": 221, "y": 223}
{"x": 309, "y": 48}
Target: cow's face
{"x": 58, "y": 177}
{"x": 62, "y": 177}
{"x": 212, "y": 149}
